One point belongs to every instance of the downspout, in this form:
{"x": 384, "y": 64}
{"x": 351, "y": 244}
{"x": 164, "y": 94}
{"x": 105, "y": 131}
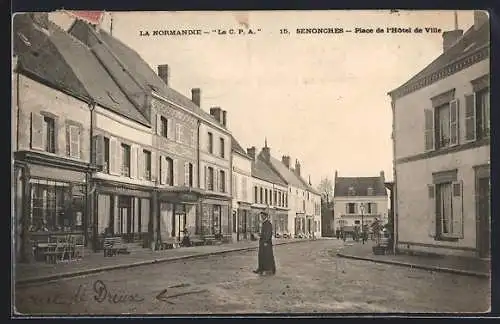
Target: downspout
{"x": 18, "y": 115}
{"x": 230, "y": 175}
{"x": 91, "y": 204}
{"x": 394, "y": 206}
{"x": 198, "y": 167}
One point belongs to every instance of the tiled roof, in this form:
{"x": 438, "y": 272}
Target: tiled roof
{"x": 39, "y": 56}
{"x": 236, "y": 147}
{"x": 360, "y": 186}
{"x": 262, "y": 171}
{"x": 141, "y": 71}
{"x": 309, "y": 187}
{"x": 468, "y": 43}
{"x": 286, "y": 174}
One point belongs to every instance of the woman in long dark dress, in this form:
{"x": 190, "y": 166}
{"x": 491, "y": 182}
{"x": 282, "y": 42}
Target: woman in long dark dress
{"x": 266, "y": 255}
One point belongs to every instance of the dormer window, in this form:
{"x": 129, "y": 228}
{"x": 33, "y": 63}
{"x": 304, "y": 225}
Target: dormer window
{"x": 351, "y": 191}
{"x": 370, "y": 191}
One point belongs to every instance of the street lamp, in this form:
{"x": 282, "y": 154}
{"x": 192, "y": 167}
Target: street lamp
{"x": 362, "y": 208}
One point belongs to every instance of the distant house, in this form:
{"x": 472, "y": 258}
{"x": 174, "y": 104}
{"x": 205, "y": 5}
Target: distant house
{"x": 358, "y": 201}
{"x": 441, "y": 143}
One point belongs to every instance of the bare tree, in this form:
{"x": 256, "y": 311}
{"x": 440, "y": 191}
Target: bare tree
{"x": 325, "y": 187}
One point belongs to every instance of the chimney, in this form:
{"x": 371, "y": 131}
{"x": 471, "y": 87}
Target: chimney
{"x": 382, "y": 176}
{"x": 266, "y": 152}
{"x": 196, "y": 96}
{"x": 163, "y": 72}
{"x": 216, "y": 112}
{"x": 336, "y": 174}
{"x": 251, "y": 152}
{"x": 297, "y": 167}
{"x": 224, "y": 118}
{"x": 286, "y": 161}
{"x": 450, "y": 38}
{"x": 310, "y": 180}
{"x": 480, "y": 18}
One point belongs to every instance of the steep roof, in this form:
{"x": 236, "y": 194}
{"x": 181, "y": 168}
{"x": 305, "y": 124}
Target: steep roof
{"x": 472, "y": 40}
{"x": 262, "y": 171}
{"x": 309, "y": 187}
{"x": 38, "y": 56}
{"x": 360, "y": 186}
{"x": 140, "y": 70}
{"x": 286, "y": 174}
{"x": 236, "y": 147}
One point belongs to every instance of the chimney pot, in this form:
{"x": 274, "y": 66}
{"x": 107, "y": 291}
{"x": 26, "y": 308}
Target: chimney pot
{"x": 196, "y": 96}
{"x": 450, "y": 38}
{"x": 251, "y": 152}
{"x": 286, "y": 161}
{"x": 216, "y": 112}
{"x": 224, "y": 118}
{"x": 297, "y": 167}
{"x": 266, "y": 153}
{"x": 163, "y": 73}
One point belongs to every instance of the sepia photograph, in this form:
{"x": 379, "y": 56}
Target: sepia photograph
{"x": 250, "y": 163}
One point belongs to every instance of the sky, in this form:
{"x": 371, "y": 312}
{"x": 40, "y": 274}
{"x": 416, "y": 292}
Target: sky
{"x": 321, "y": 99}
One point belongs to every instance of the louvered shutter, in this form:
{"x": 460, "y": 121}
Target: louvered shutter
{"x": 170, "y": 129}
{"x": 118, "y": 156}
{"x": 216, "y": 180}
{"x": 205, "y": 170}
{"x": 133, "y": 161}
{"x": 154, "y": 166}
{"x": 470, "y": 117}
{"x": 113, "y": 158}
{"x": 175, "y": 165}
{"x": 141, "y": 163}
{"x": 163, "y": 170}
{"x": 454, "y": 118}
{"x": 98, "y": 157}
{"x": 186, "y": 174}
{"x": 431, "y": 210}
{"x": 228, "y": 182}
{"x": 457, "y": 209}
{"x": 429, "y": 129}
{"x": 37, "y": 134}
{"x": 158, "y": 124}
{"x": 195, "y": 175}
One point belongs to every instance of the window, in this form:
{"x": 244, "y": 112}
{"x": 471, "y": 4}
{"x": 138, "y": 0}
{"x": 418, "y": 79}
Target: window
{"x": 125, "y": 167}
{"x": 147, "y": 164}
{"x": 261, "y": 195}
{"x": 442, "y": 122}
{"x": 222, "y": 148}
{"x": 370, "y": 191}
{"x": 169, "y": 171}
{"x": 56, "y": 206}
{"x": 275, "y": 197}
{"x": 244, "y": 187}
{"x": 210, "y": 143}
{"x": 371, "y": 208}
{"x": 303, "y": 205}
{"x": 49, "y": 133}
{"x": 210, "y": 178}
{"x": 351, "y": 191}
{"x": 265, "y": 196}
{"x": 351, "y": 208}
{"x": 222, "y": 181}
{"x": 255, "y": 194}
{"x": 73, "y": 141}
{"x": 179, "y": 133}
{"x": 448, "y": 210}
{"x": 106, "y": 155}
{"x": 286, "y": 200}
{"x": 357, "y": 222}
{"x": 164, "y": 127}
{"x": 190, "y": 174}
{"x": 235, "y": 184}
{"x": 483, "y": 114}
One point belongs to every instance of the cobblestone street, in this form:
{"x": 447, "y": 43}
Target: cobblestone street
{"x": 310, "y": 279}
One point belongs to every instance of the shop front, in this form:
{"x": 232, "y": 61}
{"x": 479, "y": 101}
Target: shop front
{"x": 280, "y": 222}
{"x": 241, "y": 221}
{"x": 177, "y": 213}
{"x": 255, "y": 223}
{"x": 122, "y": 210}
{"x": 214, "y": 219}
{"x": 300, "y": 224}
{"x": 51, "y": 193}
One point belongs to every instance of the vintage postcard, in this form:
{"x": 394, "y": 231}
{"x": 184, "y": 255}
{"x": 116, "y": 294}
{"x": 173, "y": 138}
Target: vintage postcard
{"x": 259, "y": 162}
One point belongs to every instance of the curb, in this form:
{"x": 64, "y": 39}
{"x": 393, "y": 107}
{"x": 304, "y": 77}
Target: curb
{"x": 59, "y": 276}
{"x": 418, "y": 266}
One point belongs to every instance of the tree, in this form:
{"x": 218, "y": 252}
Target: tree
{"x": 325, "y": 188}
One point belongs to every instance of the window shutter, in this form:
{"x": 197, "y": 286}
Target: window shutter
{"x": 186, "y": 174}
{"x": 429, "y": 129}
{"x": 454, "y": 117}
{"x": 141, "y": 163}
{"x": 470, "y": 117}
{"x": 133, "y": 161}
{"x": 235, "y": 179}
{"x": 158, "y": 124}
{"x": 227, "y": 178}
{"x": 195, "y": 174}
{"x": 431, "y": 212}
{"x": 457, "y": 209}
{"x": 374, "y": 208}
{"x": 347, "y": 208}
{"x": 163, "y": 170}
{"x": 37, "y": 134}
{"x": 175, "y": 165}
{"x": 216, "y": 180}
{"x": 118, "y": 156}
{"x": 205, "y": 168}
{"x": 113, "y": 159}
{"x": 68, "y": 140}
{"x": 154, "y": 166}
{"x": 170, "y": 129}
{"x": 98, "y": 157}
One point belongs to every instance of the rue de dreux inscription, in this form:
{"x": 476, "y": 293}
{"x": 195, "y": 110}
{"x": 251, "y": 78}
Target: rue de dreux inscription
{"x": 297, "y": 31}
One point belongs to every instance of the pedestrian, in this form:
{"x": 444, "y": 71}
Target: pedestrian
{"x": 266, "y": 255}
{"x": 186, "y": 241}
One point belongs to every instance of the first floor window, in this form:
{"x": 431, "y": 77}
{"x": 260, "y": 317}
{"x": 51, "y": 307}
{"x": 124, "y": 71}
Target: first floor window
{"x": 351, "y": 208}
{"x": 50, "y": 138}
{"x": 447, "y": 205}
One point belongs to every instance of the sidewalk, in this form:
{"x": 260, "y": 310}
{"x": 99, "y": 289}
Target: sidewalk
{"x": 96, "y": 262}
{"x": 450, "y": 264}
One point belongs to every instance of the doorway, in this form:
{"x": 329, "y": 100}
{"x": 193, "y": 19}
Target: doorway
{"x": 125, "y": 220}
{"x": 483, "y": 217}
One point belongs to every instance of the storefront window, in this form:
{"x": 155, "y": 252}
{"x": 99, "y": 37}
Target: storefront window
{"x": 56, "y": 206}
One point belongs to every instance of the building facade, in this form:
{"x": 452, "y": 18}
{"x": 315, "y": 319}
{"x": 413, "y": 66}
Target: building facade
{"x": 442, "y": 181}
{"x": 242, "y": 191}
{"x": 358, "y": 201}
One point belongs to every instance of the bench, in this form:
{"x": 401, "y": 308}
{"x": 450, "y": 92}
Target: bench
{"x": 113, "y": 246}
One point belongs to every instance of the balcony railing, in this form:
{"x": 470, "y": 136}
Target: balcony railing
{"x": 359, "y": 215}
{"x": 125, "y": 171}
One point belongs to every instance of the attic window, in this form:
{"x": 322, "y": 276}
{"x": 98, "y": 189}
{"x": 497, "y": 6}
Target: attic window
{"x": 112, "y": 98}
{"x": 351, "y": 191}
{"x": 370, "y": 191}
{"x": 24, "y": 39}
